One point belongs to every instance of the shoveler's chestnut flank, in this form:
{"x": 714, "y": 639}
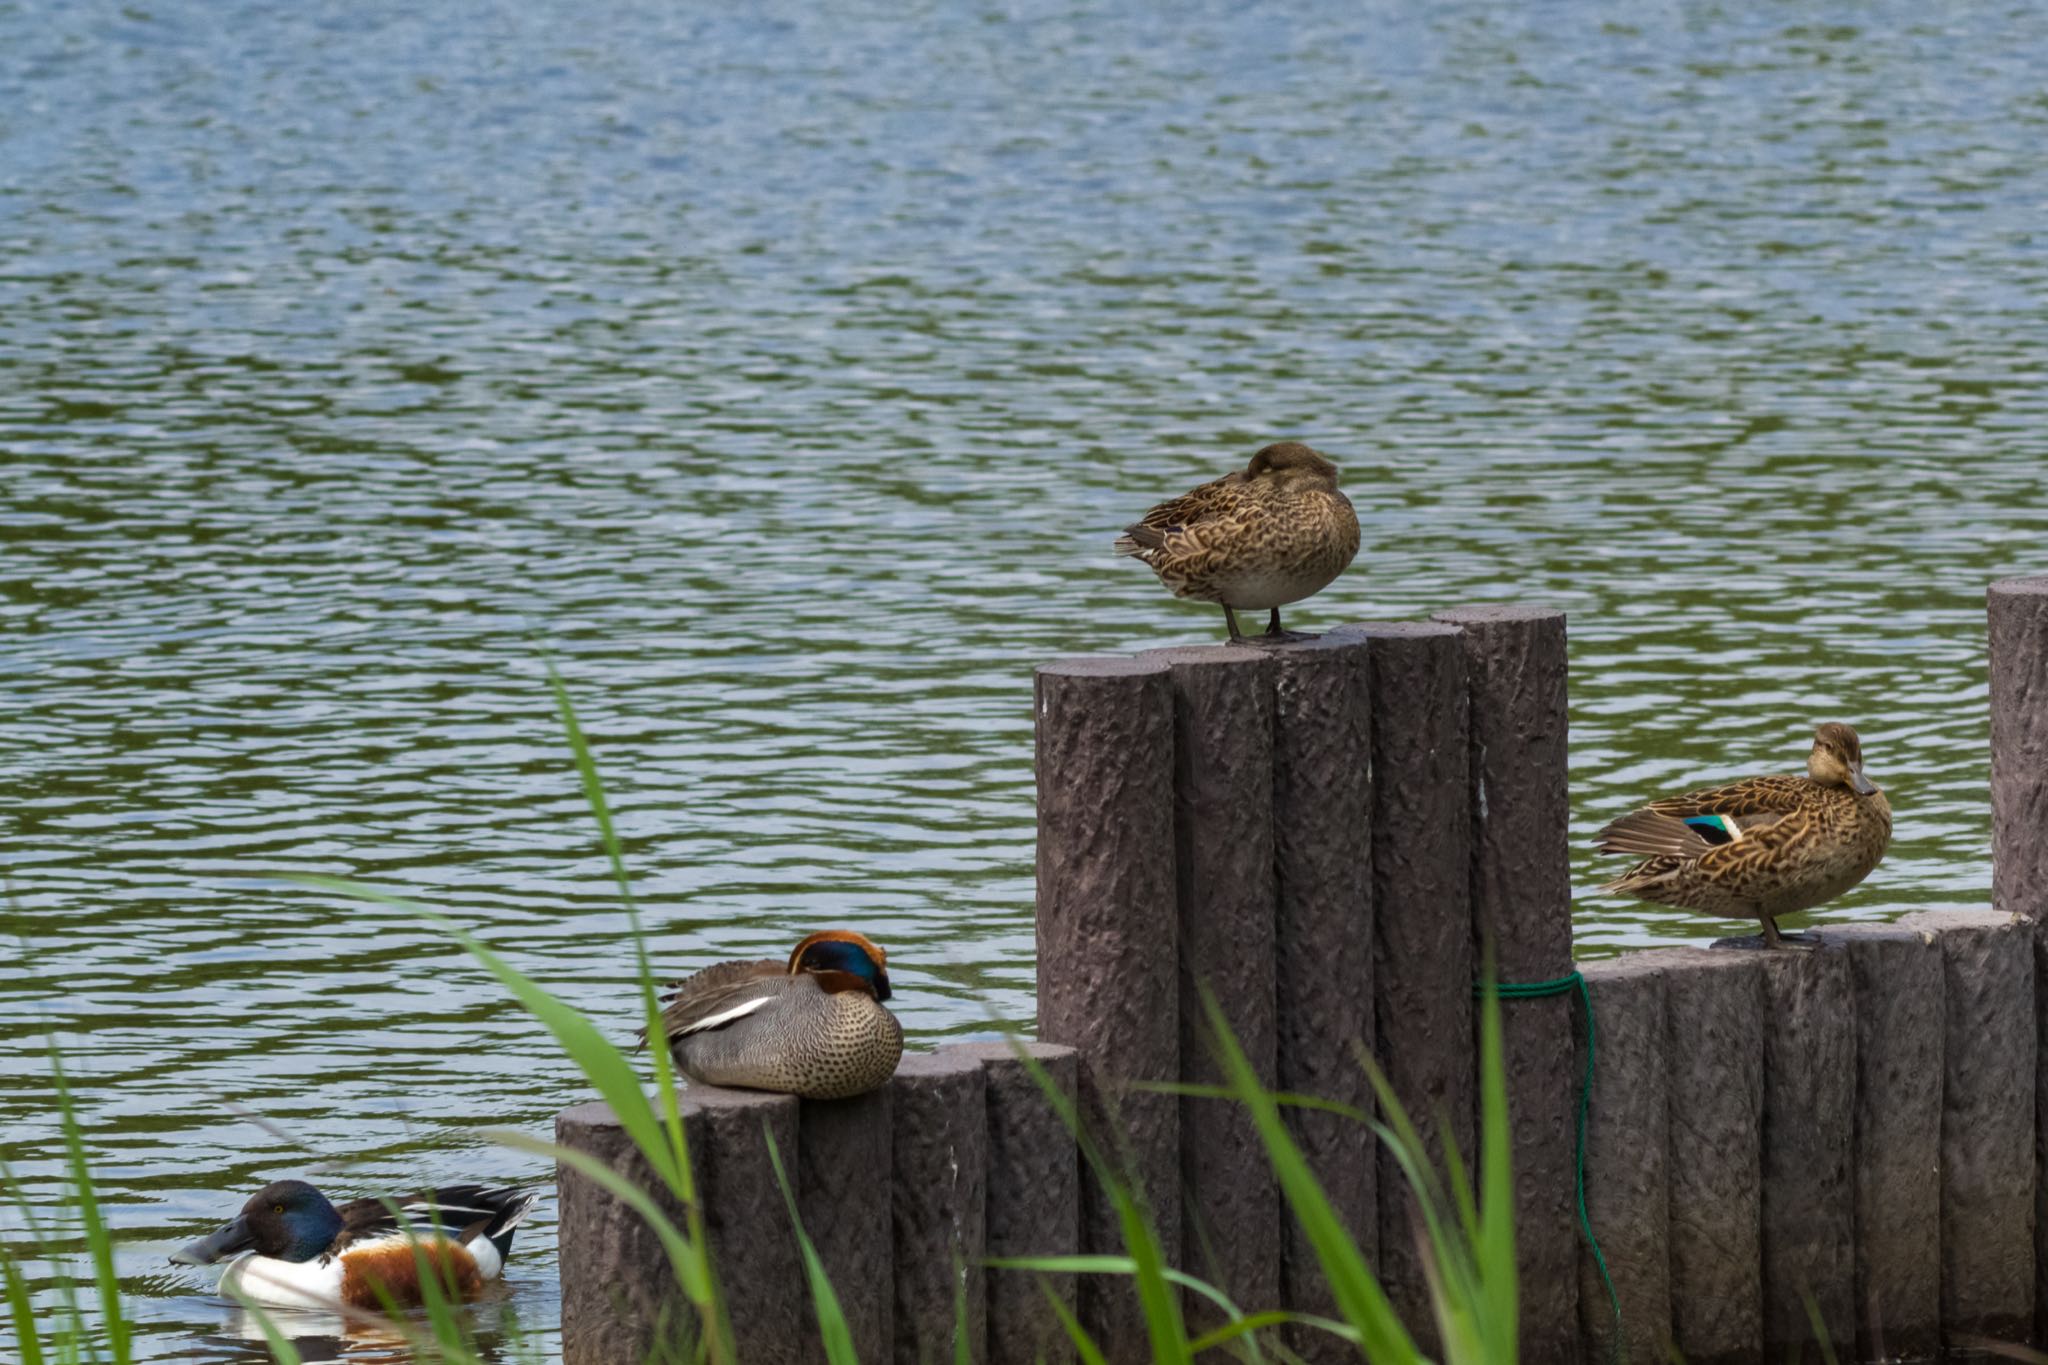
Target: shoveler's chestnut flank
{"x": 813, "y": 1026}
{"x": 1763, "y": 847}
{"x": 295, "y": 1249}
{"x": 1275, "y": 532}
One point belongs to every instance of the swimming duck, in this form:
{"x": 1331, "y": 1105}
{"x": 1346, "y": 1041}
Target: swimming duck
{"x": 1762, "y": 847}
{"x": 1275, "y": 532}
{"x": 304, "y": 1252}
{"x": 813, "y": 1026}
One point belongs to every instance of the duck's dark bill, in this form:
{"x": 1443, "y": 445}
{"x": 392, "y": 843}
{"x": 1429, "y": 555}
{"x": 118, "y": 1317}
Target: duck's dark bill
{"x": 1863, "y": 785}
{"x": 232, "y": 1238}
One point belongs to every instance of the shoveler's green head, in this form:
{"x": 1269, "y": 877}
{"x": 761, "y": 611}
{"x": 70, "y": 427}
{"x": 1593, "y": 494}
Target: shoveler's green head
{"x": 1837, "y": 759}
{"x": 1292, "y": 466}
{"x": 287, "y": 1220}
{"x": 844, "y": 953}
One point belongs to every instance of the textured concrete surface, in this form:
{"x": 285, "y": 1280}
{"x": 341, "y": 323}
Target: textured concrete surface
{"x": 1108, "y": 941}
{"x": 1809, "y": 1194}
{"x": 1628, "y": 1163}
{"x": 938, "y": 1110}
{"x": 1897, "y": 980}
{"x": 1322, "y": 813}
{"x": 1987, "y": 1122}
{"x": 2018, "y": 619}
{"x": 1522, "y": 897}
{"x": 1714, "y": 1013}
{"x": 1422, "y": 913}
{"x": 1223, "y": 854}
{"x": 1034, "y": 1200}
{"x": 844, "y": 1195}
{"x": 619, "y": 1300}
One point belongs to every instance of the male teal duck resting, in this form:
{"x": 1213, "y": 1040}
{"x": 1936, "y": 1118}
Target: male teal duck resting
{"x": 304, "y": 1252}
{"x": 1762, "y": 847}
{"x": 1275, "y": 532}
{"x": 813, "y": 1026}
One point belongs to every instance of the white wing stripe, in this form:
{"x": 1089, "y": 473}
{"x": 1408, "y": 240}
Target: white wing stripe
{"x": 727, "y": 1016}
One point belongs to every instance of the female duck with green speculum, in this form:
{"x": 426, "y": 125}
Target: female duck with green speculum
{"x": 813, "y": 1026}
{"x": 1762, "y": 847}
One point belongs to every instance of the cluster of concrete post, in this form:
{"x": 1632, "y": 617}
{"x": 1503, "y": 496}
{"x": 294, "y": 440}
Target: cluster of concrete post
{"x": 1325, "y": 836}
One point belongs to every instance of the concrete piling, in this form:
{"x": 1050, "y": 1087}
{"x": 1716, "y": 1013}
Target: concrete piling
{"x": 1108, "y": 943}
{"x": 1714, "y": 1049}
{"x": 939, "y": 1144}
{"x": 1809, "y": 1124}
{"x": 1522, "y": 900}
{"x": 619, "y": 1295}
{"x": 1422, "y": 911}
{"x": 1223, "y": 856}
{"x": 845, "y": 1196}
{"x": 1034, "y": 1199}
{"x": 2017, "y": 610}
{"x": 1896, "y": 982}
{"x": 1628, "y": 1164}
{"x": 1323, "y": 984}
{"x": 1987, "y": 1123}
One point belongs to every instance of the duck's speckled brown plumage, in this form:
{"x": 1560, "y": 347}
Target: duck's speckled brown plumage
{"x": 804, "y": 1027}
{"x": 1272, "y": 533}
{"x": 1796, "y": 842}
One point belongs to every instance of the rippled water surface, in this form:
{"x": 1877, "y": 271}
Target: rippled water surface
{"x": 785, "y": 379}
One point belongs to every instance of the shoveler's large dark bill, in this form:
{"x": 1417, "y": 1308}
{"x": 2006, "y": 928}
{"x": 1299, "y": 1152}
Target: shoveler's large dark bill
{"x": 231, "y": 1238}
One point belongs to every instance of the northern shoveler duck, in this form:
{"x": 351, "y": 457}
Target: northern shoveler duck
{"x": 304, "y": 1252}
{"x": 1275, "y": 532}
{"x": 1762, "y": 847}
{"x": 812, "y": 1026}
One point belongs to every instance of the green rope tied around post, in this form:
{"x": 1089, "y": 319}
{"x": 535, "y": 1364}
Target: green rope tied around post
{"x": 1538, "y": 990}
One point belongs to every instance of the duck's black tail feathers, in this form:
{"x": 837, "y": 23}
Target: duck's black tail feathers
{"x": 499, "y": 1210}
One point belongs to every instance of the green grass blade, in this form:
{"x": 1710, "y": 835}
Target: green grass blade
{"x": 98, "y": 1241}
{"x": 1257, "y": 1322}
{"x": 29, "y": 1342}
{"x": 1496, "y": 1243}
{"x": 1358, "y": 1295}
{"x": 602, "y": 1064}
{"x": 833, "y": 1332}
{"x": 1084, "y": 1345}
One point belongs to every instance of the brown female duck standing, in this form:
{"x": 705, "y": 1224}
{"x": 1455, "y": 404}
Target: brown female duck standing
{"x": 1273, "y": 533}
{"x": 1762, "y": 847}
{"x": 813, "y": 1026}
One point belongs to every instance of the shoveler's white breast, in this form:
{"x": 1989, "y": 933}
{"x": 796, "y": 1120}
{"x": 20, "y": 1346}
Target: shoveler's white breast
{"x": 289, "y": 1284}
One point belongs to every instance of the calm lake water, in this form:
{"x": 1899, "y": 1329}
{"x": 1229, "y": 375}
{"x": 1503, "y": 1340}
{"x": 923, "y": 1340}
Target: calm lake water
{"x": 785, "y": 379}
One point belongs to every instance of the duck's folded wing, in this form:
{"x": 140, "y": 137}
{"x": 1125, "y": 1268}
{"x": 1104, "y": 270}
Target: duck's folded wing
{"x": 1177, "y": 519}
{"x": 1753, "y": 796}
{"x": 720, "y": 994}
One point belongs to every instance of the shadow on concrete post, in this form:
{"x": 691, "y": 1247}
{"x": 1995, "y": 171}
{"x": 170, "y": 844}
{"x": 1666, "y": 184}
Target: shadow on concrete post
{"x": 1714, "y": 1014}
{"x": 1896, "y": 980}
{"x": 1987, "y": 1122}
{"x": 619, "y": 1296}
{"x": 1322, "y": 927}
{"x": 1809, "y": 1127}
{"x": 1627, "y": 1164}
{"x": 1034, "y": 1200}
{"x": 1108, "y": 944}
{"x": 1422, "y": 917}
{"x": 1516, "y": 672}
{"x": 938, "y": 1112}
{"x": 1223, "y": 856}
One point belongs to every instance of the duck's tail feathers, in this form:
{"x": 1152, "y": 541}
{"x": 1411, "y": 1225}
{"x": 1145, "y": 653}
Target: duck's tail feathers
{"x": 1647, "y": 834}
{"x": 493, "y": 1211}
{"x": 1139, "y": 538}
